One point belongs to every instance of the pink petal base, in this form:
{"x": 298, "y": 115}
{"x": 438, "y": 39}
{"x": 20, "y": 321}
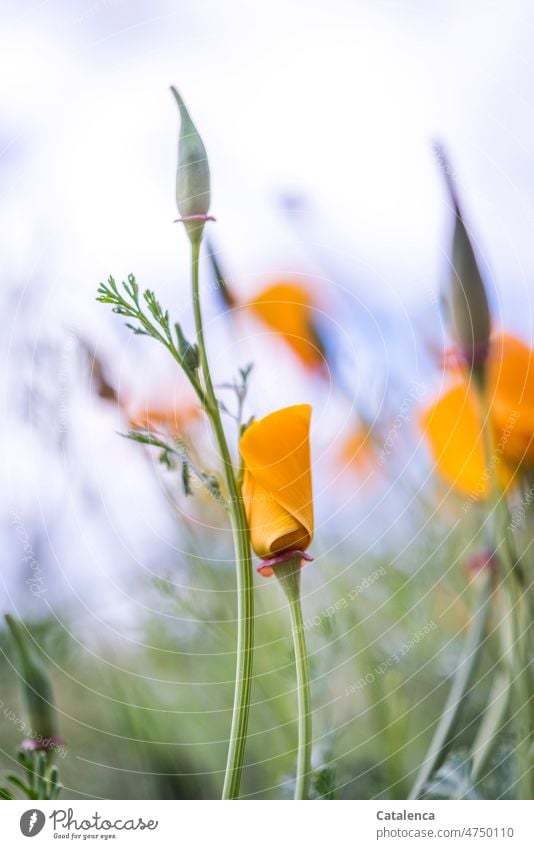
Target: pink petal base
{"x": 454, "y": 357}
{"x": 194, "y": 218}
{"x": 41, "y": 745}
{"x": 484, "y": 559}
{"x": 267, "y": 566}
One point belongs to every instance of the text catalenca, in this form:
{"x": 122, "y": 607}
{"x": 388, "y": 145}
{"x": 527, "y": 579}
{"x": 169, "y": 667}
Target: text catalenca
{"x": 405, "y": 815}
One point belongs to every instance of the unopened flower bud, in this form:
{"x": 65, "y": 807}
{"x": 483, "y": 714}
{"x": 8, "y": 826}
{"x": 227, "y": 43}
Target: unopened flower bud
{"x": 466, "y": 297}
{"x": 36, "y": 689}
{"x": 192, "y": 176}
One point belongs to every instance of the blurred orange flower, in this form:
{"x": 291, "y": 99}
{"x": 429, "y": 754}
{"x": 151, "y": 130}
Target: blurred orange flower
{"x": 453, "y": 424}
{"x": 359, "y": 451}
{"x": 174, "y": 419}
{"x": 277, "y": 486}
{"x": 288, "y": 309}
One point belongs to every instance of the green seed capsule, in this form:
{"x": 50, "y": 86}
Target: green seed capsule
{"x": 192, "y": 176}
{"x": 466, "y": 297}
{"x": 470, "y": 310}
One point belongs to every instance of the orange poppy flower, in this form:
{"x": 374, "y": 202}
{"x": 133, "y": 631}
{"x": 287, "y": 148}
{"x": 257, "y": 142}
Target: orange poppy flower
{"x": 453, "y": 424}
{"x": 288, "y": 310}
{"x": 277, "y": 486}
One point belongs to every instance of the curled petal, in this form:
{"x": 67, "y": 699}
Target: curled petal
{"x": 272, "y": 527}
{"x": 277, "y": 487}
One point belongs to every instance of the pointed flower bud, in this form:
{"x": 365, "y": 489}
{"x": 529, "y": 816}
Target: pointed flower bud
{"x": 277, "y": 487}
{"x": 36, "y": 690}
{"x": 192, "y": 176}
{"x": 466, "y": 296}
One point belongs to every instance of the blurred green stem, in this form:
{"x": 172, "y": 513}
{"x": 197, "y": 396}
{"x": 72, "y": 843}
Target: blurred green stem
{"x": 520, "y": 624}
{"x": 517, "y": 608}
{"x": 461, "y": 682}
{"x": 495, "y": 713}
{"x": 288, "y": 575}
{"x": 245, "y": 596}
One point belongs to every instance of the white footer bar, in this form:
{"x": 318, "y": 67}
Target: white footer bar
{"x": 269, "y": 825}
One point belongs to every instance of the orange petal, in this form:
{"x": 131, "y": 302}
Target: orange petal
{"x": 517, "y": 446}
{"x": 277, "y": 486}
{"x": 453, "y": 428}
{"x": 288, "y": 310}
{"x": 272, "y": 528}
{"x": 511, "y": 396}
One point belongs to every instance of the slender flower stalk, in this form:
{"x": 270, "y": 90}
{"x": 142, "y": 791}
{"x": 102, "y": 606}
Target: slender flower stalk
{"x": 245, "y": 595}
{"x": 288, "y": 575}
{"x": 460, "y": 686}
{"x": 490, "y": 725}
{"x": 516, "y": 610}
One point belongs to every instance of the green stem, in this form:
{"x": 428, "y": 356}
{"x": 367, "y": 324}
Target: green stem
{"x": 518, "y": 612}
{"x": 491, "y": 724}
{"x": 463, "y": 676}
{"x": 288, "y": 574}
{"x": 245, "y": 587}
{"x": 516, "y": 599}
{"x": 494, "y": 717}
{"x": 517, "y": 609}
